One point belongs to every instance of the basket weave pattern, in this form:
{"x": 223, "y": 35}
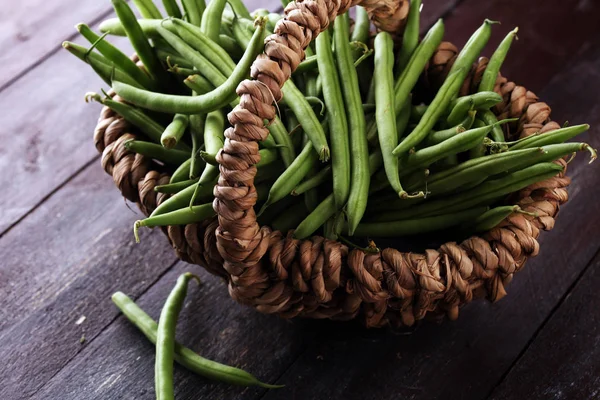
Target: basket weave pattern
{"x": 319, "y": 278}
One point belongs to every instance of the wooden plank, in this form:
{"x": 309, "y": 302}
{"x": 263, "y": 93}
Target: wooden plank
{"x": 47, "y": 135}
{"x": 562, "y": 362}
{"x": 31, "y": 30}
{"x": 119, "y": 364}
{"x": 466, "y": 358}
{"x": 61, "y": 264}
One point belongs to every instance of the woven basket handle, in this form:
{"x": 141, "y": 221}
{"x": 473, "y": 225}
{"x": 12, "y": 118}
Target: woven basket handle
{"x": 240, "y": 240}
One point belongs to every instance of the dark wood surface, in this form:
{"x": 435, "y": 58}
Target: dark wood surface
{"x": 66, "y": 246}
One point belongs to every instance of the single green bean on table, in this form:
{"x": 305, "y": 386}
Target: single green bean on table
{"x": 216, "y": 99}
{"x": 490, "y": 75}
{"x": 147, "y": 9}
{"x": 118, "y": 58}
{"x": 336, "y": 116}
{"x": 173, "y": 188}
{"x": 211, "y": 19}
{"x": 139, "y": 41}
{"x": 359, "y": 162}
{"x": 410, "y": 37}
{"x": 174, "y": 131}
{"x": 194, "y": 10}
{"x": 157, "y": 152}
{"x": 165, "y": 338}
{"x": 184, "y": 356}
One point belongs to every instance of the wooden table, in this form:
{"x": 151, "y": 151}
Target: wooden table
{"x": 66, "y": 245}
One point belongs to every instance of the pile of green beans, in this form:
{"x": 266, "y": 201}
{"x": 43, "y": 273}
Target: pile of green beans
{"x": 350, "y": 154}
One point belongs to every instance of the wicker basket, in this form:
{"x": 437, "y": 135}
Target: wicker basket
{"x": 319, "y": 278}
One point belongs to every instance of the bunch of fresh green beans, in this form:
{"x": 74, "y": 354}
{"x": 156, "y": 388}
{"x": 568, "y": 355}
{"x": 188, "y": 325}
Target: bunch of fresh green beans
{"x": 349, "y": 154}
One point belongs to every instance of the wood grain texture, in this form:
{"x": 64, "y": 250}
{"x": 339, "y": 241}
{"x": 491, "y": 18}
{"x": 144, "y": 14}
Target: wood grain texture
{"x": 564, "y": 360}
{"x": 62, "y": 263}
{"x": 31, "y": 30}
{"x": 119, "y": 364}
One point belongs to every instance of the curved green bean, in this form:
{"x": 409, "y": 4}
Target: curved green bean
{"x": 182, "y": 172}
{"x": 478, "y": 101}
{"x": 211, "y": 19}
{"x": 488, "y": 80}
{"x": 552, "y": 137}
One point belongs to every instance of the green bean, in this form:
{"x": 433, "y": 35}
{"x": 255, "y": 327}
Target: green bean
{"x": 194, "y": 10}
{"x": 157, "y": 152}
{"x": 259, "y": 12}
{"x": 147, "y": 9}
{"x": 415, "y": 226}
{"x": 552, "y": 137}
{"x": 456, "y": 144}
{"x": 362, "y": 26}
{"x": 491, "y": 218}
{"x": 325, "y": 210}
{"x": 294, "y": 99}
{"x": 194, "y": 37}
{"x": 384, "y": 107}
{"x": 484, "y": 193}
{"x": 139, "y": 41}
{"x": 181, "y": 71}
{"x": 184, "y": 356}
{"x": 115, "y": 56}
{"x": 100, "y": 64}
{"x": 172, "y": 8}
{"x": 197, "y": 124}
{"x": 489, "y": 118}
{"x": 290, "y": 219}
{"x": 216, "y": 99}
{"x": 410, "y": 36}
{"x": 115, "y": 27}
{"x": 282, "y": 138}
{"x": 198, "y": 84}
{"x": 239, "y": 9}
{"x": 320, "y": 177}
{"x": 173, "y": 59}
{"x": 309, "y": 64}
{"x": 211, "y": 19}
{"x": 359, "y": 180}
{"x": 291, "y": 177}
{"x": 180, "y": 216}
{"x": 200, "y": 62}
{"x": 450, "y": 86}
{"x": 182, "y": 200}
{"x": 272, "y": 20}
{"x": 208, "y": 158}
{"x": 213, "y": 142}
{"x": 182, "y": 172}
{"x": 165, "y": 338}
{"x": 417, "y": 112}
{"x": 488, "y": 80}
{"x": 363, "y": 57}
{"x": 436, "y": 137}
{"x": 231, "y": 47}
{"x": 336, "y": 116}
{"x": 419, "y": 58}
{"x": 173, "y": 188}
{"x": 149, "y": 127}
{"x": 478, "y": 101}
{"x": 174, "y": 131}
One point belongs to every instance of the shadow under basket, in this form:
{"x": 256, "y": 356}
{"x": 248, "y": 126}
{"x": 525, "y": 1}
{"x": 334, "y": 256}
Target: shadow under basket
{"x": 319, "y": 278}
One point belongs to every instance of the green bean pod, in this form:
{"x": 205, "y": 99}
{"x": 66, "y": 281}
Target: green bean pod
{"x": 216, "y": 99}
{"x": 114, "y": 26}
{"x": 147, "y": 9}
{"x": 294, "y": 99}
{"x": 291, "y": 177}
{"x": 491, "y": 218}
{"x": 362, "y": 26}
{"x": 165, "y": 338}
{"x": 139, "y": 41}
{"x": 291, "y": 218}
{"x": 239, "y": 9}
{"x": 441, "y": 101}
{"x": 173, "y": 188}
{"x": 490, "y": 75}
{"x": 182, "y": 172}
{"x": 410, "y": 36}
{"x": 157, "y": 152}
{"x": 552, "y": 137}
{"x": 282, "y": 138}
{"x": 174, "y": 131}
{"x": 478, "y": 101}
{"x": 118, "y": 58}
{"x": 184, "y": 356}
{"x": 194, "y": 10}
{"x": 197, "y": 124}
{"x": 325, "y": 210}
{"x": 211, "y": 19}
{"x": 183, "y": 198}
{"x": 198, "y": 84}
{"x": 436, "y": 137}
{"x": 180, "y": 216}
{"x": 415, "y": 226}
{"x": 489, "y": 118}
{"x": 213, "y": 142}
{"x": 358, "y": 146}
